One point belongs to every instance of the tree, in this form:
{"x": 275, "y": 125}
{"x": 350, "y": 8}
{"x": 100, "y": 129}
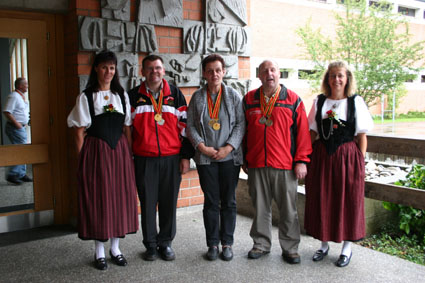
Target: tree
{"x": 374, "y": 41}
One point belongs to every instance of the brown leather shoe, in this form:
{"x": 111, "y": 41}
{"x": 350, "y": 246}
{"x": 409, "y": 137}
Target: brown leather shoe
{"x": 291, "y": 258}
{"x": 255, "y": 253}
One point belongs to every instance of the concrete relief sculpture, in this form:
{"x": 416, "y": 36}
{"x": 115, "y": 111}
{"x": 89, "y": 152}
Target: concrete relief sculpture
{"x": 115, "y": 9}
{"x": 232, "y": 12}
{"x": 161, "y": 12}
{"x": 224, "y": 31}
{"x": 128, "y": 69}
{"x": 217, "y": 38}
{"x": 231, "y": 65}
{"x": 97, "y": 34}
{"x": 242, "y": 86}
{"x": 182, "y": 70}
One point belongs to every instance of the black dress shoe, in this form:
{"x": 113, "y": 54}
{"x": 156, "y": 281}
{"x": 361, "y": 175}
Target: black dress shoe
{"x": 166, "y": 253}
{"x": 14, "y": 180}
{"x": 100, "y": 263}
{"x": 227, "y": 253}
{"x": 291, "y": 258}
{"x": 151, "y": 254}
{"x": 212, "y": 253}
{"x": 319, "y": 255}
{"x": 343, "y": 260}
{"x": 26, "y": 179}
{"x": 119, "y": 259}
{"x": 255, "y": 253}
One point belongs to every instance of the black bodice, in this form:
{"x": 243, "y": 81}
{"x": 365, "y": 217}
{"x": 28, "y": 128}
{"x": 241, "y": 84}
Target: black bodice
{"x": 332, "y": 133}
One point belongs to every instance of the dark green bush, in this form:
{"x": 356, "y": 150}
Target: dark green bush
{"x": 411, "y": 220}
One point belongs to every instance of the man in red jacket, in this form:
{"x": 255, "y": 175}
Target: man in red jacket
{"x": 277, "y": 145}
{"x": 161, "y": 154}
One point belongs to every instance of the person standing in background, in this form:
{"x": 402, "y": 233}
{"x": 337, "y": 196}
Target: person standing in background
{"x": 17, "y": 113}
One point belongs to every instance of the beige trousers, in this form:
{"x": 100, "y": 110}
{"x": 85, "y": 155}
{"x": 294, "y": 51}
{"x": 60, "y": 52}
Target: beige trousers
{"x": 266, "y": 184}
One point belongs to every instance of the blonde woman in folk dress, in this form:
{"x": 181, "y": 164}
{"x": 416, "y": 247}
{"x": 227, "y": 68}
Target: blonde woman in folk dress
{"x": 107, "y": 195}
{"x": 339, "y": 121}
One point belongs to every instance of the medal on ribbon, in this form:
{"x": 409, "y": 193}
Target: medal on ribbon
{"x": 157, "y": 106}
{"x": 213, "y": 110}
{"x": 267, "y": 107}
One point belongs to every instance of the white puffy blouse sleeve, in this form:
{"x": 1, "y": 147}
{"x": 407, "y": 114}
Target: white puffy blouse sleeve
{"x": 80, "y": 114}
{"x": 127, "y": 120}
{"x": 312, "y": 116}
{"x": 364, "y": 122}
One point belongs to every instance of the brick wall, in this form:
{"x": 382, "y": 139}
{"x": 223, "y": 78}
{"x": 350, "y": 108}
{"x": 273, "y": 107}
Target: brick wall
{"x": 170, "y": 40}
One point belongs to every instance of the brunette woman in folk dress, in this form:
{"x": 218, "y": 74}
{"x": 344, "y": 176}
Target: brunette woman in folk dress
{"x": 107, "y": 195}
{"x": 339, "y": 121}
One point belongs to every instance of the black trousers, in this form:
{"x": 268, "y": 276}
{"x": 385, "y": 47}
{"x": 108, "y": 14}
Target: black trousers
{"x": 218, "y": 182}
{"x": 158, "y": 182}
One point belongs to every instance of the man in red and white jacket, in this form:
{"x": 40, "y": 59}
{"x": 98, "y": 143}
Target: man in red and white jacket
{"x": 277, "y": 144}
{"x": 161, "y": 154}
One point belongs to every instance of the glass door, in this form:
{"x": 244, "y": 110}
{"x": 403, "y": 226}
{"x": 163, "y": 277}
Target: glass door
{"x": 26, "y": 198}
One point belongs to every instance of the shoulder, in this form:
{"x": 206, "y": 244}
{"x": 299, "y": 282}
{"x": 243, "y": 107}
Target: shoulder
{"x": 134, "y": 90}
{"x": 250, "y": 94}
{"x": 232, "y": 92}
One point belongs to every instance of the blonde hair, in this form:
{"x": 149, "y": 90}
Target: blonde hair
{"x": 350, "y": 87}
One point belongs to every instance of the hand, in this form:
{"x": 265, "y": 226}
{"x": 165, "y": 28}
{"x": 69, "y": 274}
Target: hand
{"x": 184, "y": 166}
{"x": 245, "y": 168}
{"x": 300, "y": 170}
{"x": 207, "y": 150}
{"x": 223, "y": 152}
{"x": 18, "y": 125}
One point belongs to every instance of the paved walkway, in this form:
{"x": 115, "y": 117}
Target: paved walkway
{"x": 55, "y": 254}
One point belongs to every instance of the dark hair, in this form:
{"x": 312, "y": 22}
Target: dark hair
{"x": 18, "y": 82}
{"x": 151, "y": 58}
{"x": 104, "y": 57}
{"x": 212, "y": 58}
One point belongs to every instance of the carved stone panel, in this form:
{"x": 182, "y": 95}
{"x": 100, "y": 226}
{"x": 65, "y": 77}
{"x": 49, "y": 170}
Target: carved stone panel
{"x": 128, "y": 68}
{"x": 231, "y": 12}
{"x": 193, "y": 37}
{"x": 161, "y": 12}
{"x": 182, "y": 70}
{"x": 97, "y": 34}
{"x": 83, "y": 79}
{"x": 115, "y": 9}
{"x": 217, "y": 38}
{"x": 241, "y": 86}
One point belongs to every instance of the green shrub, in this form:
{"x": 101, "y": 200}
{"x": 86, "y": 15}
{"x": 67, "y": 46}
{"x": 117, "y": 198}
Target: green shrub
{"x": 411, "y": 220}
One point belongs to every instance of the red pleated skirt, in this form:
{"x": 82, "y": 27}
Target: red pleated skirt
{"x": 334, "y": 208}
{"x": 107, "y": 194}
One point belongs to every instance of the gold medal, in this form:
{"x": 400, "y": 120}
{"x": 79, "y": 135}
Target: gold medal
{"x": 158, "y": 117}
{"x": 106, "y": 97}
{"x": 161, "y": 122}
{"x": 262, "y": 120}
{"x": 216, "y": 126}
{"x": 212, "y": 122}
{"x": 269, "y": 122}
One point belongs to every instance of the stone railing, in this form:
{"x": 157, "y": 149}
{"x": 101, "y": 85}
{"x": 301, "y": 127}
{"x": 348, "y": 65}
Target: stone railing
{"x": 387, "y": 192}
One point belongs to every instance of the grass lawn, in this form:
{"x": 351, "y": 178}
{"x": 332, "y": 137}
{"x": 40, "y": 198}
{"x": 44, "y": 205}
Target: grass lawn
{"x": 398, "y": 120}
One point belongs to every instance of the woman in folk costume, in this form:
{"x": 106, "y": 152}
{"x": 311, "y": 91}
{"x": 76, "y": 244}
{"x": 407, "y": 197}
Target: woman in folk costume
{"x": 339, "y": 121}
{"x": 107, "y": 195}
